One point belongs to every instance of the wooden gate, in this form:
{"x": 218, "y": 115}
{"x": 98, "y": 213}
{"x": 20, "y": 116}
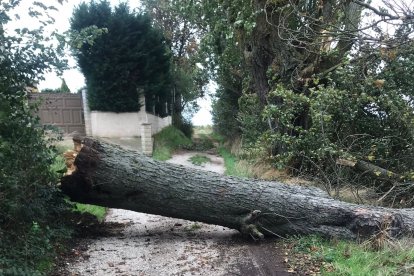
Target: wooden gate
{"x": 61, "y": 110}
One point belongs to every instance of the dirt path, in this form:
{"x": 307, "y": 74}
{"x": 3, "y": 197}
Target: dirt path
{"x": 216, "y": 163}
{"x": 155, "y": 245}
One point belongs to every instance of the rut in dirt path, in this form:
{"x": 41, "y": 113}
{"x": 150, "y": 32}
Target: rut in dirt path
{"x": 155, "y": 245}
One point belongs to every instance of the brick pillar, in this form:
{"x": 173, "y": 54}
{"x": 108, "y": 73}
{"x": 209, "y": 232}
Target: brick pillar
{"x": 86, "y": 113}
{"x": 146, "y": 139}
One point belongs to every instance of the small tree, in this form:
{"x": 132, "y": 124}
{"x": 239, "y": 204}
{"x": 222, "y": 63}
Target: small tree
{"x": 64, "y": 87}
{"x": 189, "y": 80}
{"x": 130, "y": 57}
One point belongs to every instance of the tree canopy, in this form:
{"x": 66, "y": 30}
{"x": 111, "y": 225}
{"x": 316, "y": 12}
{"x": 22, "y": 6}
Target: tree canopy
{"x": 128, "y": 58}
{"x": 175, "y": 19}
{"x": 307, "y": 83}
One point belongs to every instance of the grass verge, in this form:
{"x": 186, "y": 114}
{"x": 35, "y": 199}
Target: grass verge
{"x": 167, "y": 141}
{"x": 199, "y": 159}
{"x": 232, "y": 164}
{"x": 314, "y": 255}
{"x": 98, "y": 211}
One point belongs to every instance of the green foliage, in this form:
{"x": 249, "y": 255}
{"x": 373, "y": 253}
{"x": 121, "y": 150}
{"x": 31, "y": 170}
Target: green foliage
{"x": 128, "y": 58}
{"x": 175, "y": 19}
{"x": 225, "y": 112}
{"x": 250, "y": 118}
{"x": 98, "y": 211}
{"x": 194, "y": 227}
{"x": 183, "y": 124}
{"x": 231, "y": 164}
{"x": 32, "y": 223}
{"x": 203, "y": 142}
{"x": 51, "y": 90}
{"x": 301, "y": 101}
{"x": 64, "y": 87}
{"x": 167, "y": 141}
{"x": 350, "y": 258}
{"x": 199, "y": 159}
{"x": 355, "y": 117}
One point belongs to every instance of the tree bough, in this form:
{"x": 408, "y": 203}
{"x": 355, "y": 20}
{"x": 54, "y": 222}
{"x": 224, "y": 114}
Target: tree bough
{"x": 107, "y": 175}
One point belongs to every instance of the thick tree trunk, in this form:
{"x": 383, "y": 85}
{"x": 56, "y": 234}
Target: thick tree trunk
{"x": 109, "y": 176}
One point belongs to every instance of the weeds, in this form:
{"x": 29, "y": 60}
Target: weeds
{"x": 98, "y": 211}
{"x": 195, "y": 226}
{"x": 232, "y": 164}
{"x": 313, "y": 254}
{"x": 199, "y": 159}
{"x": 167, "y": 141}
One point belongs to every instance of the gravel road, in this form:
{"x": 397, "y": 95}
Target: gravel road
{"x": 154, "y": 245}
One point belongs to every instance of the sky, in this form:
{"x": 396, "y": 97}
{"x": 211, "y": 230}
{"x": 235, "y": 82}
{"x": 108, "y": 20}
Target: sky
{"x": 74, "y": 77}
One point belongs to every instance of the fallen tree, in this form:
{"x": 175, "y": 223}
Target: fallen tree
{"x": 107, "y": 175}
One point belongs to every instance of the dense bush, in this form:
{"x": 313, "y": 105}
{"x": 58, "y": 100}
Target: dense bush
{"x": 184, "y": 125}
{"x": 167, "y": 141}
{"x": 31, "y": 207}
{"x": 353, "y": 116}
{"x": 225, "y": 113}
{"x": 128, "y": 57}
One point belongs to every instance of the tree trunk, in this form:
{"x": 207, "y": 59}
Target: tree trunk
{"x": 109, "y": 176}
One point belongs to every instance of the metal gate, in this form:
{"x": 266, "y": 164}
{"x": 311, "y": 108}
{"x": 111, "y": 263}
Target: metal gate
{"x": 62, "y": 110}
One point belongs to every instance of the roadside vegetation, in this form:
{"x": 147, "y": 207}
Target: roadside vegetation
{"x": 98, "y": 211}
{"x": 313, "y": 255}
{"x": 322, "y": 100}
{"x": 167, "y": 141}
{"x": 199, "y": 159}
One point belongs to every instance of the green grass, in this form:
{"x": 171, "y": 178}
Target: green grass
{"x": 350, "y": 258}
{"x": 58, "y": 167}
{"x": 199, "y": 159}
{"x": 233, "y": 167}
{"x": 194, "y": 227}
{"x": 206, "y": 130}
{"x": 98, "y": 211}
{"x": 167, "y": 141}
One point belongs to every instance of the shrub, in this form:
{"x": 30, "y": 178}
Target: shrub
{"x": 167, "y": 141}
{"x": 129, "y": 56}
{"x": 32, "y": 207}
{"x": 184, "y": 125}
{"x": 32, "y": 221}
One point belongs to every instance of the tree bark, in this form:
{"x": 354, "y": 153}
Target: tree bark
{"x": 110, "y": 176}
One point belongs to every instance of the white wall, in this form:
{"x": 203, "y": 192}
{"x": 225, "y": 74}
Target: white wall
{"x": 128, "y": 124}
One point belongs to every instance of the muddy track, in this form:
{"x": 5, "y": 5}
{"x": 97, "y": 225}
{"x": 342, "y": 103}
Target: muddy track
{"x": 154, "y": 245}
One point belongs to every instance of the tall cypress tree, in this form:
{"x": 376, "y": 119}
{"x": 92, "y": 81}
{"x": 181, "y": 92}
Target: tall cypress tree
{"x": 130, "y": 57}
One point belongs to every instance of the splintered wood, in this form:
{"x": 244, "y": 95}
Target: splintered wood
{"x": 70, "y": 155}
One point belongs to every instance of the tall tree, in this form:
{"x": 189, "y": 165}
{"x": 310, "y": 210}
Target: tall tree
{"x": 131, "y": 56}
{"x": 176, "y": 20}
{"x": 285, "y": 57}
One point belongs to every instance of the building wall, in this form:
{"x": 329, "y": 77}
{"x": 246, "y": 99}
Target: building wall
{"x": 111, "y": 124}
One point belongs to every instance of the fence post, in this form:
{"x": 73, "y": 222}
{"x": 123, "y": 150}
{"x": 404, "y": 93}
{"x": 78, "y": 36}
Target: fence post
{"x": 146, "y": 139}
{"x": 86, "y": 113}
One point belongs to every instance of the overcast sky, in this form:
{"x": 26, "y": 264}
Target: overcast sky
{"x": 74, "y": 77}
